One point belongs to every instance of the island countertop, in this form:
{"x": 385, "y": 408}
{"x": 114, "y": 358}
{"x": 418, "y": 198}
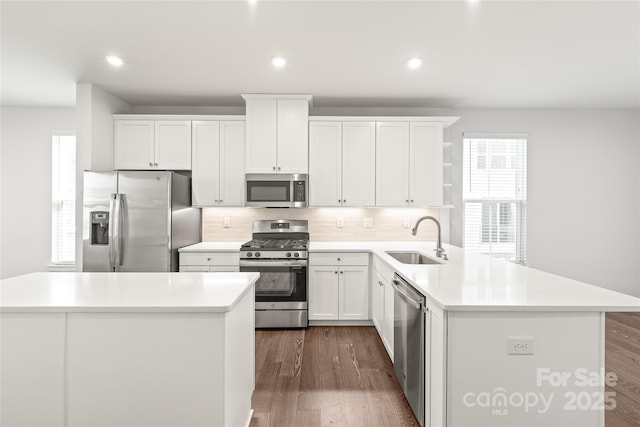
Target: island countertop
{"x": 475, "y": 282}
{"x": 124, "y": 292}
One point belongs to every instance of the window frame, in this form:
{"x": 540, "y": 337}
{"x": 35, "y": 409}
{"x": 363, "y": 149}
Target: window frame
{"x": 520, "y": 199}
{"x": 58, "y": 198}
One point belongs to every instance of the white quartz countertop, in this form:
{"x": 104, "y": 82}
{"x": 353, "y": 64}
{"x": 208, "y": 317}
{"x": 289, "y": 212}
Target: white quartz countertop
{"x": 473, "y": 282}
{"x": 116, "y": 292}
{"x": 213, "y": 247}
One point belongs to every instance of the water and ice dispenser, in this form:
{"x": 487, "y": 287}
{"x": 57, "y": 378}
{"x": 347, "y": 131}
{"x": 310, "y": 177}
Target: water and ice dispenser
{"x": 100, "y": 228}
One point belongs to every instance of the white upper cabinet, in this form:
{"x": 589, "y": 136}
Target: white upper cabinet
{"x": 325, "y": 163}
{"x": 277, "y": 133}
{"x": 358, "y": 164}
{"x": 218, "y": 163}
{"x": 153, "y": 144}
{"x": 409, "y": 164}
{"x": 293, "y": 136}
{"x": 341, "y": 163}
{"x": 392, "y": 163}
{"x": 425, "y": 164}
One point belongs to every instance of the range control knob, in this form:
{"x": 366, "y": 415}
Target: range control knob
{"x": 288, "y": 254}
{"x": 249, "y": 254}
{"x": 296, "y": 255}
{"x": 257, "y": 254}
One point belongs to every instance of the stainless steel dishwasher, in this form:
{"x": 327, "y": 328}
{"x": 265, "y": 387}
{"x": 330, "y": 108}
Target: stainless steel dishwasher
{"x": 408, "y": 343}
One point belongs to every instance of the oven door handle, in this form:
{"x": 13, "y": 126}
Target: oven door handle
{"x": 284, "y": 263}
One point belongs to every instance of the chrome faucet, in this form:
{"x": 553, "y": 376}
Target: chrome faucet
{"x": 439, "y": 249}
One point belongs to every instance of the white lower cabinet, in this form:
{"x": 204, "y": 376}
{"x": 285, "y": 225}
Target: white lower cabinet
{"x": 338, "y": 286}
{"x": 382, "y": 305}
{"x": 209, "y": 262}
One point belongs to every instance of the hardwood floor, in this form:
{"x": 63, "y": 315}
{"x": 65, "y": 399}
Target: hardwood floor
{"x": 342, "y": 376}
{"x": 326, "y": 376}
{"x": 622, "y": 356}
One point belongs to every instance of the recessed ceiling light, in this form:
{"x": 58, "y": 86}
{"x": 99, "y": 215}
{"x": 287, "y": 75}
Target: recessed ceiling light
{"x": 278, "y": 61}
{"x": 114, "y": 60}
{"x": 414, "y": 63}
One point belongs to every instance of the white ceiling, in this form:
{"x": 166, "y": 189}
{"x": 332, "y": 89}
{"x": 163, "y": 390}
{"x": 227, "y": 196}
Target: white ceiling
{"x": 517, "y": 54}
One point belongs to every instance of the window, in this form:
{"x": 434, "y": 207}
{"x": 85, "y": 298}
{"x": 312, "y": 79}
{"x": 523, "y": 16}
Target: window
{"x": 495, "y": 195}
{"x": 63, "y": 192}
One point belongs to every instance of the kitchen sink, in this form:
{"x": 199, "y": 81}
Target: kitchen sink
{"x": 412, "y": 257}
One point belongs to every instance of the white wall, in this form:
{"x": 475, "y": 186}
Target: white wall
{"x": 95, "y": 135}
{"x": 583, "y": 190}
{"x": 25, "y": 186}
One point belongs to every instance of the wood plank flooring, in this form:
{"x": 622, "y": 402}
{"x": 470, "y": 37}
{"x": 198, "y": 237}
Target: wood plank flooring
{"x": 342, "y": 376}
{"x": 622, "y": 356}
{"x": 326, "y": 376}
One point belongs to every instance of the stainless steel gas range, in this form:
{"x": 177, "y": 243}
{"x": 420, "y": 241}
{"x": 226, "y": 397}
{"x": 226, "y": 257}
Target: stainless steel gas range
{"x": 278, "y": 252}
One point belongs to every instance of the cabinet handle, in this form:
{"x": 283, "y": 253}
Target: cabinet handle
{"x": 342, "y": 272}
{"x": 411, "y": 200}
{"x": 407, "y": 200}
{"x": 155, "y": 164}
{"x": 208, "y": 259}
{"x": 274, "y": 168}
{"x": 338, "y": 259}
{"x": 221, "y": 200}
{"x": 150, "y": 163}
{"x": 279, "y": 168}
{"x": 344, "y": 201}
{"x": 380, "y": 283}
{"x": 335, "y": 272}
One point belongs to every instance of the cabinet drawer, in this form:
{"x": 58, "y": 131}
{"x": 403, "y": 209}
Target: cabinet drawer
{"x": 210, "y": 258}
{"x": 338, "y": 258}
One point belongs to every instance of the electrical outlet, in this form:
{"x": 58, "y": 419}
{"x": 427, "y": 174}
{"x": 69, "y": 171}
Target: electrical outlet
{"x": 519, "y": 345}
{"x": 406, "y": 223}
{"x": 226, "y": 222}
{"x": 340, "y": 222}
{"x": 367, "y": 222}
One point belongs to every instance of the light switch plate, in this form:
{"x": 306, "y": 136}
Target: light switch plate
{"x": 367, "y": 222}
{"x": 340, "y": 222}
{"x": 407, "y": 222}
{"x": 226, "y": 222}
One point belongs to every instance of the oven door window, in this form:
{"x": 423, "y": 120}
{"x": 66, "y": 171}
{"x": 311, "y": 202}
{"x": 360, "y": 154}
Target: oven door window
{"x": 268, "y": 191}
{"x": 280, "y": 283}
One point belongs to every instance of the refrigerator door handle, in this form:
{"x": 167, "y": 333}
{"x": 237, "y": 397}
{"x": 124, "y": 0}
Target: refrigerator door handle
{"x": 113, "y": 233}
{"x": 121, "y": 229}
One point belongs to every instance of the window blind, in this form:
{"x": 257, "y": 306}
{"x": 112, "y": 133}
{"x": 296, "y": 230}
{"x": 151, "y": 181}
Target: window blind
{"x": 495, "y": 194}
{"x": 63, "y": 194}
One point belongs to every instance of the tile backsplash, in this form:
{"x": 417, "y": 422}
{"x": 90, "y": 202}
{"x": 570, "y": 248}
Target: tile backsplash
{"x": 358, "y": 224}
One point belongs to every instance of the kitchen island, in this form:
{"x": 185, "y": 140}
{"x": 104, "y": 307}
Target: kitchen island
{"x": 506, "y": 345}
{"x": 143, "y": 349}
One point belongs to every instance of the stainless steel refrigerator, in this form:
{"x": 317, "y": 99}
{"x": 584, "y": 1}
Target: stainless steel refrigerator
{"x": 137, "y": 220}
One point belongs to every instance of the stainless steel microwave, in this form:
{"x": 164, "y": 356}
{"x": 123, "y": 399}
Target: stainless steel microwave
{"x": 276, "y": 190}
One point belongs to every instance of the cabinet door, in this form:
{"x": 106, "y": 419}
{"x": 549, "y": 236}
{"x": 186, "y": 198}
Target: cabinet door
{"x": 293, "y": 136}
{"x": 205, "y": 176}
{"x": 354, "y": 293}
{"x": 377, "y": 303}
{"x": 425, "y": 166}
{"x": 323, "y": 293}
{"x": 173, "y": 144}
{"x": 358, "y": 163}
{"x": 134, "y": 142}
{"x": 261, "y": 136}
{"x": 232, "y": 163}
{"x": 387, "y": 328}
{"x": 194, "y": 269}
{"x": 325, "y": 163}
{"x": 392, "y": 164}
